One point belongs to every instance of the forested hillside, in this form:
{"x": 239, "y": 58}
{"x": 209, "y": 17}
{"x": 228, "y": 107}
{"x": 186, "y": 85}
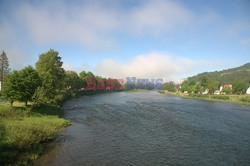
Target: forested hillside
{"x": 241, "y": 73}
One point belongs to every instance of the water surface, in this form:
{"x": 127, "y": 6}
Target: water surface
{"x": 149, "y": 128}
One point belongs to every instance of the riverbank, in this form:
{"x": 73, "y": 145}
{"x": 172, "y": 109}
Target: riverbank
{"x": 24, "y": 131}
{"x": 235, "y": 99}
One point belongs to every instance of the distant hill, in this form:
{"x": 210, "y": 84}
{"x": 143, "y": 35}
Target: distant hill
{"x": 227, "y": 76}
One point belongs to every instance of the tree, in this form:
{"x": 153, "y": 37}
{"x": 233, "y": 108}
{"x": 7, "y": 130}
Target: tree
{"x": 204, "y": 82}
{"x": 184, "y": 86}
{"x": 21, "y": 85}
{"x": 49, "y": 68}
{"x": 227, "y": 90}
{"x": 72, "y": 81}
{"x": 83, "y": 76}
{"x": 169, "y": 86}
{"x": 239, "y": 87}
{"x": 212, "y": 85}
{"x": 4, "y": 66}
{"x": 30, "y": 81}
{"x": 192, "y": 83}
{"x": 11, "y": 87}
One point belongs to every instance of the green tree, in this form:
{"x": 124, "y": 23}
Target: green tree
{"x": 90, "y": 74}
{"x": 49, "y": 68}
{"x": 212, "y": 85}
{"x": 83, "y": 76}
{"x": 21, "y": 85}
{"x": 192, "y": 83}
{"x": 30, "y": 80}
{"x": 194, "y": 89}
{"x": 11, "y": 87}
{"x": 239, "y": 87}
{"x": 204, "y": 82}
{"x": 72, "y": 81}
{"x": 169, "y": 86}
{"x": 4, "y": 66}
{"x": 184, "y": 86}
{"x": 227, "y": 90}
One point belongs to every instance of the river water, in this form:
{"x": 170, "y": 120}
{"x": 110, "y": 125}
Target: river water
{"x": 149, "y": 128}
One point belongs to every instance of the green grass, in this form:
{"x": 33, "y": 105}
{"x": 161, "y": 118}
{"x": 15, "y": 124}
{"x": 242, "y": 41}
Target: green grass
{"x": 222, "y": 97}
{"x": 235, "y": 99}
{"x": 24, "y": 130}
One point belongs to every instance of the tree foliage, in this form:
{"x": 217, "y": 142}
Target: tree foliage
{"x": 21, "y": 85}
{"x": 239, "y": 87}
{"x": 169, "y": 86}
{"x": 227, "y": 76}
{"x": 4, "y": 66}
{"x": 49, "y": 68}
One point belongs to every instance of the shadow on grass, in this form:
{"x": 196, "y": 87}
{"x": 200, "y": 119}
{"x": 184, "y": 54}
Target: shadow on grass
{"x": 47, "y": 109}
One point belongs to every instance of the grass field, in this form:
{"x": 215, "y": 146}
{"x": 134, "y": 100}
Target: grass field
{"x": 24, "y": 130}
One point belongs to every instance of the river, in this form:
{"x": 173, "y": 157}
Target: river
{"x": 149, "y": 128}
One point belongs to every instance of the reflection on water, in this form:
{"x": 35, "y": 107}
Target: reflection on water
{"x": 148, "y": 128}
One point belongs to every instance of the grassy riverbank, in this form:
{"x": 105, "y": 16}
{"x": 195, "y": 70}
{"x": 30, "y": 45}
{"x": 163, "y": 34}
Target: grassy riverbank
{"x": 25, "y": 130}
{"x": 236, "y": 99}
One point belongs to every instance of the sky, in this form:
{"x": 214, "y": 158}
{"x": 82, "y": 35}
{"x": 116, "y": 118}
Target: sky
{"x": 169, "y": 39}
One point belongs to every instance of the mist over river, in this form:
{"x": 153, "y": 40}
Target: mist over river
{"x": 149, "y": 128}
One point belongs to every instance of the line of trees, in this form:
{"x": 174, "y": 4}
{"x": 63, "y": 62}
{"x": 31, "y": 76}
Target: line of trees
{"x": 48, "y": 82}
{"x": 206, "y": 84}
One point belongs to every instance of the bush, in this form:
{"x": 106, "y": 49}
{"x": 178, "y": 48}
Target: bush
{"x": 221, "y": 97}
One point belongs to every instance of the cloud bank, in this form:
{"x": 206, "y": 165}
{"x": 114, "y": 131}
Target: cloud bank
{"x": 151, "y": 65}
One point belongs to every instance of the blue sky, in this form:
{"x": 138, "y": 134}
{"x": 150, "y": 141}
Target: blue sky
{"x": 151, "y": 38}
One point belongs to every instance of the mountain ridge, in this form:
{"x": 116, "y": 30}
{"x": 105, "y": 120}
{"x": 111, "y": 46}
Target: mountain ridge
{"x": 241, "y": 73}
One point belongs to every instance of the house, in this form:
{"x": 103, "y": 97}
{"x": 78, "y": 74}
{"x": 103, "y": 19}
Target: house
{"x": 248, "y": 91}
{"x": 217, "y": 92}
{"x": 228, "y": 86}
{"x": 221, "y": 88}
{"x": 206, "y": 92}
{"x": 185, "y": 92}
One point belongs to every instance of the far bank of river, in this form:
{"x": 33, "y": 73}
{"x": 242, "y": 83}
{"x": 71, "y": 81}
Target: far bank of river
{"x": 235, "y": 99}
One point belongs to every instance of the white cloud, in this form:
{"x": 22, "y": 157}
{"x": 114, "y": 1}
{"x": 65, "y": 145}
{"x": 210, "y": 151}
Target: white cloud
{"x": 156, "y": 17}
{"x": 151, "y": 65}
{"x": 94, "y": 23}
{"x": 88, "y": 25}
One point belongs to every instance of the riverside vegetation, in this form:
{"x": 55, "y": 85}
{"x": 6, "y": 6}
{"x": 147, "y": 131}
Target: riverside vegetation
{"x": 30, "y": 114}
{"x": 232, "y": 98}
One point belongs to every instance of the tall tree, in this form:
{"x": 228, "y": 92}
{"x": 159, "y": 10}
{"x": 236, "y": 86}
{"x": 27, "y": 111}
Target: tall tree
{"x": 4, "y": 66}
{"x": 49, "y": 68}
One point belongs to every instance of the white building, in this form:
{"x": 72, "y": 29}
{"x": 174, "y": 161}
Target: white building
{"x": 206, "y": 92}
{"x": 221, "y": 88}
{"x": 217, "y": 92}
{"x": 248, "y": 91}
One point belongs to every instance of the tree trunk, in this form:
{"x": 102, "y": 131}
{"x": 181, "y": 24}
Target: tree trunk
{"x": 26, "y": 103}
{"x": 11, "y": 103}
